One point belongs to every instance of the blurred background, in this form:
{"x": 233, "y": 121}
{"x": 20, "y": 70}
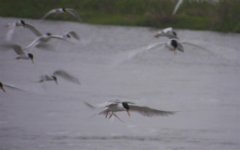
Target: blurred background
{"x": 216, "y": 15}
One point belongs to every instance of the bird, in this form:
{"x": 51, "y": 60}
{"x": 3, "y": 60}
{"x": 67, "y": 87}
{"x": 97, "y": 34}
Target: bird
{"x": 20, "y": 23}
{"x": 3, "y": 85}
{"x": 118, "y": 106}
{"x": 42, "y": 40}
{"x": 19, "y": 51}
{"x": 58, "y": 73}
{"x": 70, "y": 11}
{"x": 167, "y": 32}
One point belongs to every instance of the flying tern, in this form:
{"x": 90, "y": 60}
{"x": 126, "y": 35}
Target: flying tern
{"x": 45, "y": 38}
{"x": 56, "y": 11}
{"x": 118, "y": 106}
{"x": 59, "y": 73}
{"x": 22, "y": 54}
{"x": 20, "y": 23}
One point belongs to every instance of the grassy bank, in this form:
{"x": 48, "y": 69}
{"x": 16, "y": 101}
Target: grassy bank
{"x": 222, "y": 16}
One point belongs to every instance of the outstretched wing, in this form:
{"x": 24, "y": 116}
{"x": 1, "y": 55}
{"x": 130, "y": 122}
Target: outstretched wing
{"x": 146, "y": 111}
{"x": 177, "y": 6}
{"x": 74, "y": 13}
{"x": 90, "y": 105}
{"x": 17, "y": 48}
{"x": 33, "y": 29}
{"x": 133, "y": 53}
{"x": 73, "y": 34}
{"x": 180, "y": 47}
{"x": 49, "y": 13}
{"x": 11, "y": 29}
{"x": 63, "y": 74}
{"x": 13, "y": 87}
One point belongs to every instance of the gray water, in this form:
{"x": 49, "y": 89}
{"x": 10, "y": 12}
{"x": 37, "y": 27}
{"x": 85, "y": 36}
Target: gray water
{"x": 201, "y": 84}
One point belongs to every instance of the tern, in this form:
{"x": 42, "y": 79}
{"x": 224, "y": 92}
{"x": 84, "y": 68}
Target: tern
{"x": 3, "y": 86}
{"x": 45, "y": 38}
{"x": 70, "y": 11}
{"x": 19, "y": 51}
{"x": 20, "y": 23}
{"x": 59, "y": 73}
{"x": 119, "y": 106}
{"x": 167, "y": 32}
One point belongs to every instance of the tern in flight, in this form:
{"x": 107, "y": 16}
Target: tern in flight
{"x": 112, "y": 107}
{"x": 45, "y": 38}
{"x": 21, "y": 52}
{"x": 20, "y": 23}
{"x": 56, "y": 74}
{"x": 56, "y": 11}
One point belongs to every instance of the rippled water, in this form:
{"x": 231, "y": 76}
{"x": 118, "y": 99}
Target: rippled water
{"x": 202, "y": 84}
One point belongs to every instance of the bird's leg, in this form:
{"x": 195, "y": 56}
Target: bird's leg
{"x": 111, "y": 113}
{"x": 129, "y": 115}
{"x": 106, "y": 114}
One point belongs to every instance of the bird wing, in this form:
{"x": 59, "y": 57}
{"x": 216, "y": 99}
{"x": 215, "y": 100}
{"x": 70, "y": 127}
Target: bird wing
{"x": 34, "y": 43}
{"x": 133, "y": 53}
{"x": 195, "y": 45}
{"x": 73, "y": 34}
{"x": 180, "y": 47}
{"x": 90, "y": 105}
{"x": 33, "y": 29}
{"x": 49, "y": 13}
{"x": 12, "y": 87}
{"x": 11, "y": 29}
{"x": 177, "y": 6}
{"x": 66, "y": 76}
{"x": 74, "y": 13}
{"x": 17, "y": 48}
{"x": 146, "y": 111}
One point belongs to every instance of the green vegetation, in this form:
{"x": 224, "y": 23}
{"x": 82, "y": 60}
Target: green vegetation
{"x": 192, "y": 14}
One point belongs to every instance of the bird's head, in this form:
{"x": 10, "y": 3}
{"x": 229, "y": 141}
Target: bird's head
{"x": 1, "y": 87}
{"x": 55, "y": 79}
{"x": 126, "y": 106}
{"x": 175, "y": 34}
{"x": 22, "y": 22}
{"x": 174, "y": 43}
{"x": 48, "y": 34}
{"x": 31, "y": 57}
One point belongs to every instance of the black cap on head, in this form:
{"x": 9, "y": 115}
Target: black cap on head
{"x": 174, "y": 43}
{"x": 125, "y": 105}
{"x": 22, "y": 22}
{"x": 55, "y": 79}
{"x": 30, "y": 55}
{"x": 48, "y": 33}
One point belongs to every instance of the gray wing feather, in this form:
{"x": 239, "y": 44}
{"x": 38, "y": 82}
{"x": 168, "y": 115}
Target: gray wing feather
{"x": 12, "y": 87}
{"x": 74, "y": 13}
{"x": 74, "y": 34}
{"x": 33, "y": 29}
{"x": 49, "y": 13}
{"x": 66, "y": 76}
{"x": 146, "y": 111}
{"x": 17, "y": 48}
